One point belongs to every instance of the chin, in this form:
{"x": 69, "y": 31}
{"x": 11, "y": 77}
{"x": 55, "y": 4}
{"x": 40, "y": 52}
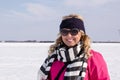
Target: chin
{"x": 70, "y": 45}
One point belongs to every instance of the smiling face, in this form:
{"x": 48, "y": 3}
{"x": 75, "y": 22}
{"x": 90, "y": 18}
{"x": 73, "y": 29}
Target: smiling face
{"x": 71, "y": 39}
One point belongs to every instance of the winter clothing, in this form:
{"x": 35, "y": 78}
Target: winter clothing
{"x": 96, "y": 69}
{"x": 74, "y": 59}
{"x": 72, "y": 23}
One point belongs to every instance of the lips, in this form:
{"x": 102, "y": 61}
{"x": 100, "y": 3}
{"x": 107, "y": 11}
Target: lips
{"x": 69, "y": 40}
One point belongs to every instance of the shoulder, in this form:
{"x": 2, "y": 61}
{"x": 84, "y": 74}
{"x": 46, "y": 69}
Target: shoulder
{"x": 96, "y": 55}
{"x": 96, "y": 62}
{"x": 97, "y": 66}
{"x": 96, "y": 59}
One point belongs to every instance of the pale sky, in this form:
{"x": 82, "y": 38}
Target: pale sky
{"x": 40, "y": 19}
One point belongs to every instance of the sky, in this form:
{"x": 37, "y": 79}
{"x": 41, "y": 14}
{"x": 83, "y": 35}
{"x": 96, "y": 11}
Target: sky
{"x": 40, "y": 19}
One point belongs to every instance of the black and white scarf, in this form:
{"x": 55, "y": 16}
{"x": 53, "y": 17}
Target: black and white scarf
{"x": 75, "y": 59}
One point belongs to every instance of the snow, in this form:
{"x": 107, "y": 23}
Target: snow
{"x": 21, "y": 61}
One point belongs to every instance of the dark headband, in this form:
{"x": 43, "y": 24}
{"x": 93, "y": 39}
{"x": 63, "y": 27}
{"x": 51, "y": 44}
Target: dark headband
{"x": 72, "y": 23}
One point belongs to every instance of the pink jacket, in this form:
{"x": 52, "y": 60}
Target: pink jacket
{"x": 96, "y": 69}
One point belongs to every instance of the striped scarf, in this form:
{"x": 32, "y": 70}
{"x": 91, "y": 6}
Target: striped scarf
{"x": 75, "y": 59}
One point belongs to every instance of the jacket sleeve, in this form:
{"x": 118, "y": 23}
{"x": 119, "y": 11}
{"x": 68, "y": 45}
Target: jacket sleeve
{"x": 97, "y": 67}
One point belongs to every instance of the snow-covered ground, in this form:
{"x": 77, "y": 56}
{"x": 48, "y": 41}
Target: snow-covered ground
{"x": 21, "y": 61}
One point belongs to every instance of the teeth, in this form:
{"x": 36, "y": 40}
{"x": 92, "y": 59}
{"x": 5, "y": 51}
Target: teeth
{"x": 70, "y": 39}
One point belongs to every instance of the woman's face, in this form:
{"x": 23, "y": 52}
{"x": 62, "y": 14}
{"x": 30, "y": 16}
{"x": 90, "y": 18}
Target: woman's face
{"x": 71, "y": 36}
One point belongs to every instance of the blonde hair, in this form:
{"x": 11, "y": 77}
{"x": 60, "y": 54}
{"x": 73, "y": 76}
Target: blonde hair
{"x": 85, "y": 39}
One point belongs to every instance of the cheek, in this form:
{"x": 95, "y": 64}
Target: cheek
{"x": 78, "y": 37}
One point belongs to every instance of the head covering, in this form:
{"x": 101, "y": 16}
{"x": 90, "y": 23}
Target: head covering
{"x": 72, "y": 23}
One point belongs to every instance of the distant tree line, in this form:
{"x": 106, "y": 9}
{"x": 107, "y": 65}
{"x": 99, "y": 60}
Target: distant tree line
{"x": 29, "y": 41}
{"x": 35, "y": 41}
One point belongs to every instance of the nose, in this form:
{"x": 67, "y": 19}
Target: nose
{"x": 69, "y": 35}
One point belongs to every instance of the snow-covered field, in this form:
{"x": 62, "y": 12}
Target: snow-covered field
{"x": 21, "y": 61}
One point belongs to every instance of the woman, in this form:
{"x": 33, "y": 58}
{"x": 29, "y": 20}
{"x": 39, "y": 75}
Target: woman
{"x": 71, "y": 57}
